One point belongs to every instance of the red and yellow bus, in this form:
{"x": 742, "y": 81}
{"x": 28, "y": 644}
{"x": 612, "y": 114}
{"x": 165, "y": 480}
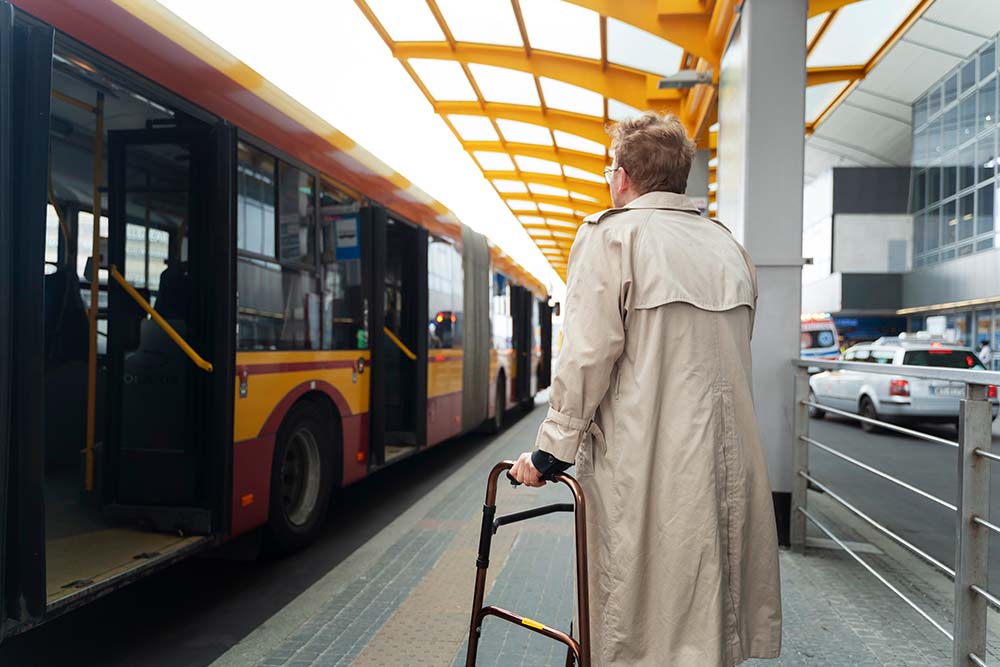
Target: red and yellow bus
{"x": 214, "y": 307}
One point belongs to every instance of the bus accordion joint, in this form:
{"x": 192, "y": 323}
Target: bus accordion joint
{"x": 409, "y": 354}
{"x": 163, "y": 324}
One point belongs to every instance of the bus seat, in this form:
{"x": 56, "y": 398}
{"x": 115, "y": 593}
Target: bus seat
{"x": 155, "y": 393}
{"x": 66, "y": 346}
{"x": 66, "y": 323}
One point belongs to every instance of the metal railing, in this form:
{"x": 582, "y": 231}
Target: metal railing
{"x": 971, "y": 508}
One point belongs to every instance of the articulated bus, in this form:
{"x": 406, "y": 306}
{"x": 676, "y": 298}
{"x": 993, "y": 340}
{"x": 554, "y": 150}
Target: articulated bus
{"x": 214, "y": 308}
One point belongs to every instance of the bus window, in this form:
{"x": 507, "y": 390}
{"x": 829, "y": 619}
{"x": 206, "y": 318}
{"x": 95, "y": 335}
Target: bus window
{"x": 344, "y": 318}
{"x": 445, "y": 300}
{"x": 278, "y": 298}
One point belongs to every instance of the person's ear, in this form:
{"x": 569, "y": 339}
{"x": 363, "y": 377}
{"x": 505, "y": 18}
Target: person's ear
{"x": 624, "y": 182}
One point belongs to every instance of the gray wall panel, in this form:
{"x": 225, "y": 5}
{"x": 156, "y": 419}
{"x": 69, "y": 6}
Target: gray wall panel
{"x": 871, "y": 189}
{"x": 871, "y": 291}
{"x": 973, "y": 277}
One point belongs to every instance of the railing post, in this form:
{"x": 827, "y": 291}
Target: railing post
{"x": 972, "y": 544}
{"x": 800, "y": 460}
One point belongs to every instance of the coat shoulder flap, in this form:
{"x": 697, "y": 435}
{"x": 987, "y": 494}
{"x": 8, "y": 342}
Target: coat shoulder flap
{"x": 683, "y": 257}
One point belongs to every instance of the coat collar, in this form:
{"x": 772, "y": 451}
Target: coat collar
{"x": 657, "y": 199}
{"x": 651, "y": 200}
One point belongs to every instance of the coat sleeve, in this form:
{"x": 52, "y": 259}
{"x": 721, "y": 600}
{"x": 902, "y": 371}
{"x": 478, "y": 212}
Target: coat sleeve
{"x": 593, "y": 340}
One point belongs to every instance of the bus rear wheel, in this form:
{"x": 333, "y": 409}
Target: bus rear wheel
{"x": 499, "y": 406}
{"x": 302, "y": 475}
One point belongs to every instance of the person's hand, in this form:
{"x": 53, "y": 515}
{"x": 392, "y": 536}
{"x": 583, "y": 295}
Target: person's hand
{"x": 525, "y": 472}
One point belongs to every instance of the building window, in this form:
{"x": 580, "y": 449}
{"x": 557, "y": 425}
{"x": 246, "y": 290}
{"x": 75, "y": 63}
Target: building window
{"x": 955, "y": 138}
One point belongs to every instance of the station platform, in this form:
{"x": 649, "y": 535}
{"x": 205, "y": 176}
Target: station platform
{"x": 404, "y": 597}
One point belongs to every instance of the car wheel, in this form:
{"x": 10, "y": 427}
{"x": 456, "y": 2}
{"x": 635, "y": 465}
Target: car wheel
{"x": 867, "y": 409}
{"x": 815, "y": 413}
{"x": 302, "y": 476}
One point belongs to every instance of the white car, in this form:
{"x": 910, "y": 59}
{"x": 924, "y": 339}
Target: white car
{"x": 902, "y": 398}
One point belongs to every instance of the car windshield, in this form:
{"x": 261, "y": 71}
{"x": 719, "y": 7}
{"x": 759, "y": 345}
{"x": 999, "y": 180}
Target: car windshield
{"x": 943, "y": 358}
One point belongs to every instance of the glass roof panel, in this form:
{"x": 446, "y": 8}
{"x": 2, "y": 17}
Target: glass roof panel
{"x": 857, "y": 32}
{"x": 573, "y": 172}
{"x": 563, "y": 235}
{"x": 566, "y": 96}
{"x": 813, "y": 24}
{"x": 632, "y": 47}
{"x": 552, "y": 208}
{"x": 407, "y": 21}
{"x": 443, "y": 79}
{"x": 554, "y": 25}
{"x": 482, "y": 21}
{"x": 510, "y": 186}
{"x": 575, "y": 142}
{"x": 561, "y": 223}
{"x": 539, "y": 232}
{"x": 546, "y": 242}
{"x": 537, "y": 165}
{"x": 490, "y": 161}
{"x": 499, "y": 84}
{"x": 531, "y": 219}
{"x": 525, "y": 133}
{"x": 818, "y": 98}
{"x": 473, "y": 128}
{"x": 620, "y": 111}
{"x": 582, "y": 214}
{"x": 582, "y": 197}
{"x": 521, "y": 205}
{"x": 541, "y": 189}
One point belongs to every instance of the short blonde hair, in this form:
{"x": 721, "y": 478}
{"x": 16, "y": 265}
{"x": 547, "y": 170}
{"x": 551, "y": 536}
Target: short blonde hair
{"x": 654, "y": 151}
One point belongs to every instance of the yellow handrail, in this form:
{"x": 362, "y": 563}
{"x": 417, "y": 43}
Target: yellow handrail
{"x": 399, "y": 344}
{"x": 174, "y": 336}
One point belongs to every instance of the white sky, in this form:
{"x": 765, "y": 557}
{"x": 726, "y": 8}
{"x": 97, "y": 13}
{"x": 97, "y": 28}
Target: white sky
{"x": 325, "y": 54}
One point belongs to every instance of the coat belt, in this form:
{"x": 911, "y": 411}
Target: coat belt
{"x": 588, "y": 426}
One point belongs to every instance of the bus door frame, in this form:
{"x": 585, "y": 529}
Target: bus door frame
{"x": 545, "y": 317}
{"x": 522, "y": 301}
{"x": 25, "y": 82}
{"x": 215, "y": 310}
{"x": 374, "y": 246}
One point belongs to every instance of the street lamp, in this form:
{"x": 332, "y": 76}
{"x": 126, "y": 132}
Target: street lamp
{"x": 686, "y": 78}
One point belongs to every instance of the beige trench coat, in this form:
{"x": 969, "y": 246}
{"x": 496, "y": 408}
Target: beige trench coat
{"x": 652, "y": 399}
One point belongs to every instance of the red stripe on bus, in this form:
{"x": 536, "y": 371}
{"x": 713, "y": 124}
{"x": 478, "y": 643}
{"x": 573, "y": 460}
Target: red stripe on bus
{"x": 290, "y": 367}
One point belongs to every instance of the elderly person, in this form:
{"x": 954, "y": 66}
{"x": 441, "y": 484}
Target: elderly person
{"x": 652, "y": 402}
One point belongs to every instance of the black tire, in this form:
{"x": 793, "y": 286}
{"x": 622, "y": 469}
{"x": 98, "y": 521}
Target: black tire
{"x": 495, "y": 425}
{"x": 815, "y": 413}
{"x": 867, "y": 409}
{"x": 303, "y": 471}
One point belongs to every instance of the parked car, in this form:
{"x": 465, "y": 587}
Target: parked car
{"x": 902, "y": 398}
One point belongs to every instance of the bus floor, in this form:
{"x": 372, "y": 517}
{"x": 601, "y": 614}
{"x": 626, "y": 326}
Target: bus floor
{"x": 84, "y": 549}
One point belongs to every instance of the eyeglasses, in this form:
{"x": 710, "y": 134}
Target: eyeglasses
{"x": 609, "y": 172}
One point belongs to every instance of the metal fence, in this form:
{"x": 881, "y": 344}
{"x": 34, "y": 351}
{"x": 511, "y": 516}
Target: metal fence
{"x": 971, "y": 507}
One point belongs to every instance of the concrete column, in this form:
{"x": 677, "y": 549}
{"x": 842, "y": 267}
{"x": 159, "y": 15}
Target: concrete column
{"x": 761, "y": 143}
{"x": 697, "y": 186}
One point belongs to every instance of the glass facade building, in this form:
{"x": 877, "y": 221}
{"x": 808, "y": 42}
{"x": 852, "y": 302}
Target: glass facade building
{"x": 953, "y": 193}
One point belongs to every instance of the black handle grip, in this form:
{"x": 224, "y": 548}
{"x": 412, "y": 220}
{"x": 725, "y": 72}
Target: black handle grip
{"x": 513, "y": 482}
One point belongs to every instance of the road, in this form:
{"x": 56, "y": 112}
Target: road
{"x": 929, "y": 466}
{"x": 190, "y": 614}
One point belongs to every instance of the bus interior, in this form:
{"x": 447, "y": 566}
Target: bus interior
{"x": 125, "y": 458}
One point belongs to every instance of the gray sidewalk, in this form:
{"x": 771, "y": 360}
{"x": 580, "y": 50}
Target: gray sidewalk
{"x": 404, "y": 598}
